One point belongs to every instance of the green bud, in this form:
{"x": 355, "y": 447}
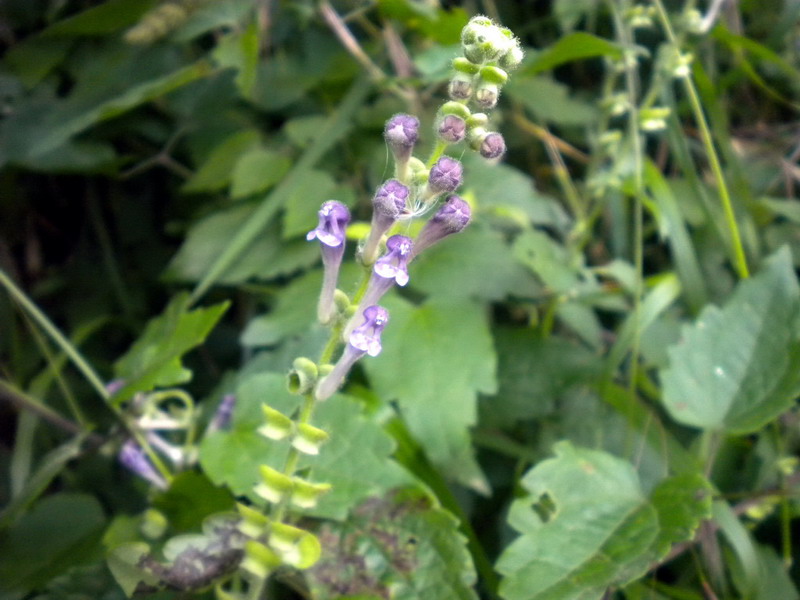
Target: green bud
{"x": 259, "y": 559}
{"x": 462, "y": 65}
{"x": 153, "y": 524}
{"x": 306, "y": 494}
{"x": 474, "y": 28}
{"x": 254, "y": 523}
{"x": 512, "y": 59}
{"x": 455, "y": 108}
{"x": 303, "y": 376}
{"x": 277, "y": 425}
{"x": 298, "y": 548}
{"x": 477, "y": 120}
{"x": 341, "y": 300}
{"x": 494, "y": 75}
{"x": 654, "y": 118}
{"x": 275, "y": 485}
{"x": 419, "y": 172}
{"x": 308, "y": 439}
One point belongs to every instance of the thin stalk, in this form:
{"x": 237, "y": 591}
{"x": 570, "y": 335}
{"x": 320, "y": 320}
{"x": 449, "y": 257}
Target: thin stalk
{"x": 739, "y": 257}
{"x": 437, "y": 152}
{"x": 51, "y": 330}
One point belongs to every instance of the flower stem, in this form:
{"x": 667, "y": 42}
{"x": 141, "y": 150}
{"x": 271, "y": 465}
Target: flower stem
{"x": 739, "y": 258}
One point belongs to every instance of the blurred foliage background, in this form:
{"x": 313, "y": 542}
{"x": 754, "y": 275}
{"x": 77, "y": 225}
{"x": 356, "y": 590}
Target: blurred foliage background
{"x": 627, "y": 286}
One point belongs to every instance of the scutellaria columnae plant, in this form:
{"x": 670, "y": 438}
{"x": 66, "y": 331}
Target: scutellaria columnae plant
{"x": 357, "y": 321}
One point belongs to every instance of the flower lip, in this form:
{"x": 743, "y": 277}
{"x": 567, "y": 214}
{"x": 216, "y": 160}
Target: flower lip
{"x": 367, "y": 336}
{"x": 333, "y": 219}
{"x": 394, "y": 264}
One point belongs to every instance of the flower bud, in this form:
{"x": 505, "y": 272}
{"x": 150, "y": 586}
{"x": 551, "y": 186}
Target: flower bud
{"x": 512, "y": 59}
{"x": 445, "y": 176}
{"x": 453, "y": 216}
{"x": 388, "y": 204}
{"x": 224, "y": 413}
{"x": 302, "y": 377}
{"x": 494, "y": 75}
{"x": 493, "y": 146}
{"x": 451, "y": 129}
{"x": 401, "y": 133}
{"x": 134, "y": 458}
{"x": 477, "y": 120}
{"x": 487, "y": 94}
{"x": 460, "y": 87}
{"x": 462, "y": 65}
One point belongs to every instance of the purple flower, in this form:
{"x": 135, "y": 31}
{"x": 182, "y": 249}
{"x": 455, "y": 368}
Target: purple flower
{"x": 394, "y": 264}
{"x": 222, "y": 417}
{"x": 453, "y": 216}
{"x": 333, "y": 219}
{"x": 134, "y": 459}
{"x": 389, "y": 201}
{"x": 365, "y": 339}
{"x": 493, "y": 146}
{"x": 445, "y": 176}
{"x": 452, "y": 129}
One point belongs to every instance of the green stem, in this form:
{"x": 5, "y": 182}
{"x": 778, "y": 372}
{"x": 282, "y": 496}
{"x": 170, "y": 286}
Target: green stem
{"x": 739, "y": 258}
{"x": 51, "y": 330}
{"x": 437, "y": 152}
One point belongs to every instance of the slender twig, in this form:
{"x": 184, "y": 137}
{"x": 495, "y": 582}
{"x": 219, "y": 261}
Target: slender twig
{"x": 349, "y": 42}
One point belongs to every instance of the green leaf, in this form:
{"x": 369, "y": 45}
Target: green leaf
{"x": 304, "y": 201}
{"x": 436, "y": 359}
{"x": 585, "y": 526}
{"x": 551, "y": 101}
{"x": 217, "y": 170}
{"x": 569, "y": 12}
{"x": 257, "y": 170}
{"x": 154, "y": 360}
{"x": 400, "y": 545}
{"x": 43, "y": 543}
{"x": 736, "y": 368}
{"x": 682, "y": 502}
{"x": 574, "y": 46}
{"x": 190, "y": 499}
{"x": 476, "y": 263}
{"x": 268, "y": 257}
{"x": 355, "y": 459}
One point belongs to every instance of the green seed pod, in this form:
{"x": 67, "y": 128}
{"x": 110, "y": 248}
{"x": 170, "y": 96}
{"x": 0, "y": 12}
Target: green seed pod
{"x": 298, "y": 548}
{"x": 303, "y": 376}
{"x": 309, "y": 439}
{"x": 477, "y": 120}
{"x": 254, "y": 523}
{"x": 259, "y": 559}
{"x": 274, "y": 485}
{"x": 494, "y": 75}
{"x": 462, "y": 65}
{"x": 455, "y": 108}
{"x": 277, "y": 426}
{"x": 306, "y": 494}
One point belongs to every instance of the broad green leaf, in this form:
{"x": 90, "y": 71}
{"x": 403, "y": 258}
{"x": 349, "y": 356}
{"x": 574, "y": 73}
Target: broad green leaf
{"x": 102, "y": 19}
{"x": 190, "y": 499}
{"x": 267, "y": 258}
{"x": 682, "y": 502}
{"x": 43, "y": 543}
{"x": 436, "y": 359}
{"x": 400, "y": 545}
{"x": 154, "y": 360}
{"x": 355, "y": 460}
{"x": 476, "y": 263}
{"x": 239, "y": 50}
{"x": 533, "y": 373}
{"x": 217, "y": 171}
{"x": 32, "y": 59}
{"x": 82, "y": 582}
{"x": 213, "y": 15}
{"x": 586, "y": 525}
{"x": 257, "y": 170}
{"x": 736, "y": 368}
{"x": 574, "y": 46}
{"x": 551, "y": 101}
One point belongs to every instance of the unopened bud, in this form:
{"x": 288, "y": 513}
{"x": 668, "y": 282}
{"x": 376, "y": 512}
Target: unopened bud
{"x": 463, "y": 65}
{"x": 487, "y": 94}
{"x": 460, "y": 87}
{"x": 451, "y": 129}
{"x": 494, "y": 75}
{"x": 493, "y": 146}
{"x": 445, "y": 176}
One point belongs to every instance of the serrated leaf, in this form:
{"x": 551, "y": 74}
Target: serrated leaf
{"x": 585, "y": 526}
{"x": 476, "y": 263}
{"x": 154, "y": 360}
{"x": 399, "y": 542}
{"x": 216, "y": 172}
{"x": 736, "y": 368}
{"x": 355, "y": 459}
{"x": 682, "y": 502}
{"x": 436, "y": 359}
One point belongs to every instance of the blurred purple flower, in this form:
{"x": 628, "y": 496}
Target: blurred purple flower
{"x": 452, "y": 217}
{"x": 135, "y": 459}
{"x": 388, "y": 203}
